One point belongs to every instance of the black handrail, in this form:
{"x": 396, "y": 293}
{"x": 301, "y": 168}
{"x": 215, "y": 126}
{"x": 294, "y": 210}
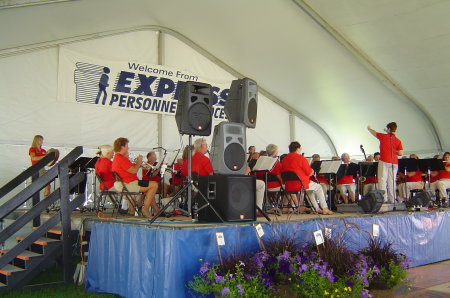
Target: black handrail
{"x": 5, "y": 189}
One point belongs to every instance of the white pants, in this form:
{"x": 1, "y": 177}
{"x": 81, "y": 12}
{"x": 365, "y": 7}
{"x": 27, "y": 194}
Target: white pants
{"x": 387, "y": 173}
{"x": 343, "y": 188}
{"x": 405, "y": 191}
{"x": 260, "y": 190}
{"x": 368, "y": 187}
{"x": 315, "y": 193}
{"x": 442, "y": 185}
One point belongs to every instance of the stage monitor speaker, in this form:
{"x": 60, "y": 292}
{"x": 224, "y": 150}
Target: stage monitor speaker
{"x": 372, "y": 201}
{"x": 241, "y": 105}
{"x": 422, "y": 198}
{"x": 228, "y": 149}
{"x": 233, "y": 197}
{"x": 194, "y": 109}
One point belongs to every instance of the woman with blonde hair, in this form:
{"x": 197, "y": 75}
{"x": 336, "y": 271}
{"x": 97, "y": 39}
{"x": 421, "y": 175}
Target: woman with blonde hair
{"x": 103, "y": 167}
{"x": 36, "y": 153}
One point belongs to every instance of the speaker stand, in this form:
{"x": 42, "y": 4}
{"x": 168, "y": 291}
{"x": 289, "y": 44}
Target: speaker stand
{"x": 263, "y": 213}
{"x": 188, "y": 188}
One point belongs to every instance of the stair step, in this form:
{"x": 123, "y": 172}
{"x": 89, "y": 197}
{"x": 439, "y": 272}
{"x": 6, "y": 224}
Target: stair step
{"x": 10, "y": 269}
{"x": 25, "y": 255}
{"x": 41, "y": 241}
{"x": 52, "y": 231}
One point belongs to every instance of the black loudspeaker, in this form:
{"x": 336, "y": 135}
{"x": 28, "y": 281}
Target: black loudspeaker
{"x": 241, "y": 105}
{"x": 422, "y": 198}
{"x": 372, "y": 201}
{"x": 194, "y": 109}
{"x": 233, "y": 197}
{"x": 228, "y": 149}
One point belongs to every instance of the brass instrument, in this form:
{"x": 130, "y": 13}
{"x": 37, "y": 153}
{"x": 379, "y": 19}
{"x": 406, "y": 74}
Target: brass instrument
{"x": 362, "y": 179}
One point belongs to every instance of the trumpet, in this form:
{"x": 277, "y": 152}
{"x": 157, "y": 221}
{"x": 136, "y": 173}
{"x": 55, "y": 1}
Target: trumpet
{"x": 362, "y": 179}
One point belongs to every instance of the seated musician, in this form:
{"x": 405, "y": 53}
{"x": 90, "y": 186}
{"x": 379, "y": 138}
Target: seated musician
{"x": 127, "y": 172}
{"x": 376, "y": 156}
{"x": 251, "y": 150}
{"x": 103, "y": 167}
{"x": 346, "y": 183}
{"x": 201, "y": 165}
{"x": 272, "y": 151}
{"x": 413, "y": 181}
{"x": 152, "y": 173}
{"x": 298, "y": 164}
{"x": 444, "y": 179}
{"x": 36, "y": 153}
{"x": 321, "y": 179}
{"x": 177, "y": 177}
{"x": 253, "y": 159}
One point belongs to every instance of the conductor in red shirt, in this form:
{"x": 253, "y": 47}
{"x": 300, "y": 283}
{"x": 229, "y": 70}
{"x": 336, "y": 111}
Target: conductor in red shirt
{"x": 390, "y": 148}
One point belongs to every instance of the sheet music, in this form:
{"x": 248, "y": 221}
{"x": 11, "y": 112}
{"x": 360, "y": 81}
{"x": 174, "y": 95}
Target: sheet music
{"x": 265, "y": 163}
{"x": 329, "y": 166}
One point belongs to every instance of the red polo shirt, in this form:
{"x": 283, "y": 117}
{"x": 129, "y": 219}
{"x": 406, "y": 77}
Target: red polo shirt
{"x": 37, "y": 153}
{"x": 120, "y": 165}
{"x": 200, "y": 165}
{"x": 445, "y": 174}
{"x": 103, "y": 168}
{"x": 417, "y": 177}
{"x": 298, "y": 164}
{"x": 389, "y": 145}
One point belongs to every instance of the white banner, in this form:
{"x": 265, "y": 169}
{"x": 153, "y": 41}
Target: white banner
{"x": 127, "y": 85}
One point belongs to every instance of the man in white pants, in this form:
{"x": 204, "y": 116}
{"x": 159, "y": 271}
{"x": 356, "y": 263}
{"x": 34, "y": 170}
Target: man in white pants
{"x": 390, "y": 148}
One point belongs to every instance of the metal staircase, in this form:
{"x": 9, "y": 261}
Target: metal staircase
{"x": 33, "y": 253}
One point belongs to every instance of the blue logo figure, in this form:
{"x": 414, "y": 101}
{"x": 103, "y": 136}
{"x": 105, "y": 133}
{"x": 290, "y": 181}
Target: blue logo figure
{"x": 102, "y": 86}
{"x": 91, "y": 81}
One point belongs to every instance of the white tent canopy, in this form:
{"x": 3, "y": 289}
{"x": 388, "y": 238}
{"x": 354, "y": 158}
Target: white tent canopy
{"x": 325, "y": 70}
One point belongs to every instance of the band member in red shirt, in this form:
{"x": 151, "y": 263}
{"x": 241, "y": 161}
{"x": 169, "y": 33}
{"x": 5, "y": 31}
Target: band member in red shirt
{"x": 390, "y": 148}
{"x": 36, "y": 153}
{"x": 298, "y": 164}
{"x": 444, "y": 179}
{"x": 200, "y": 163}
{"x": 103, "y": 167}
{"x": 346, "y": 183}
{"x": 127, "y": 172}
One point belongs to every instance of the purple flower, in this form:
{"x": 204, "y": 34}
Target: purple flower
{"x": 364, "y": 293}
{"x": 291, "y": 267}
{"x": 247, "y": 276}
{"x": 404, "y": 264}
{"x": 349, "y": 283}
{"x": 365, "y": 281}
{"x": 323, "y": 270}
{"x": 240, "y": 289}
{"x": 376, "y": 270}
{"x": 224, "y": 291}
{"x": 219, "y": 278}
{"x": 316, "y": 266}
{"x": 304, "y": 267}
{"x": 330, "y": 276}
{"x": 285, "y": 255}
{"x": 242, "y": 263}
{"x": 204, "y": 268}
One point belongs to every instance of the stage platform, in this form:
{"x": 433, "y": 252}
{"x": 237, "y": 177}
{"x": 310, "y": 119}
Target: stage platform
{"x": 133, "y": 258}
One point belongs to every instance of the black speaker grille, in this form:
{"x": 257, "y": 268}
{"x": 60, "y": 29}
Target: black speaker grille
{"x": 252, "y": 111}
{"x": 199, "y": 116}
{"x": 240, "y": 194}
{"x": 234, "y": 156}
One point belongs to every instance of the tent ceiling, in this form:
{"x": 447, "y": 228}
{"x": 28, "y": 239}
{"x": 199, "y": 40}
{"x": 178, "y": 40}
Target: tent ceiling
{"x": 289, "y": 54}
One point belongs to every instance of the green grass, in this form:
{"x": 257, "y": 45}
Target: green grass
{"x": 54, "y": 274}
{"x": 64, "y": 291}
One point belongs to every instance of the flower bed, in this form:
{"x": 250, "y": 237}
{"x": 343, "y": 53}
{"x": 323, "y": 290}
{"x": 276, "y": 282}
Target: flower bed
{"x": 330, "y": 270}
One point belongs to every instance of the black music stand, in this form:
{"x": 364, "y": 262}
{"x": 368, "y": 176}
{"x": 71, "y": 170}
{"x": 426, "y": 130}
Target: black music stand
{"x": 406, "y": 165}
{"x": 368, "y": 169}
{"x": 349, "y": 169}
{"x": 429, "y": 165}
{"x": 328, "y": 168}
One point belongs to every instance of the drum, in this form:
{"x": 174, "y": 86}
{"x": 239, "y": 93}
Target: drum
{"x": 56, "y": 151}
